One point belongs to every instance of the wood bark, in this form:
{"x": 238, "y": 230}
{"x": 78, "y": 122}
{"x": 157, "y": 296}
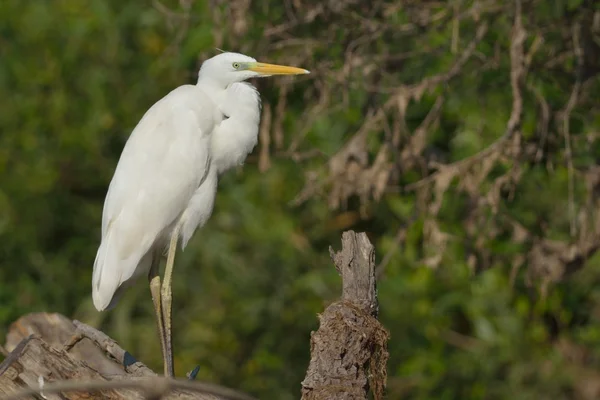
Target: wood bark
{"x": 47, "y": 348}
{"x": 349, "y": 351}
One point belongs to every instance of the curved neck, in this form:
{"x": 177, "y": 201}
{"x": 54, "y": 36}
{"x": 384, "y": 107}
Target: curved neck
{"x": 235, "y": 137}
{"x": 236, "y": 99}
{"x": 242, "y": 99}
{"x": 211, "y": 81}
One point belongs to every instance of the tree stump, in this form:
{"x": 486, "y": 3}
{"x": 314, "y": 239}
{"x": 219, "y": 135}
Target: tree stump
{"x": 349, "y": 351}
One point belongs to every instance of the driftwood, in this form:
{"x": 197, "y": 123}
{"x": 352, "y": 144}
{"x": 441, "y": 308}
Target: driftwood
{"x": 48, "y": 356}
{"x": 50, "y": 353}
{"x": 349, "y": 351}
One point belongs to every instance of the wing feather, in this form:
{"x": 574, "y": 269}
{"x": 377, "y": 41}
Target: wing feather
{"x": 163, "y": 162}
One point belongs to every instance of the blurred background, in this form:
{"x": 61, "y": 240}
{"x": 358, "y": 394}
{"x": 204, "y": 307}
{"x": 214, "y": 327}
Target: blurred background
{"x": 462, "y": 136}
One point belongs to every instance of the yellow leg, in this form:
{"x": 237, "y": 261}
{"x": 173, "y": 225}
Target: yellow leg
{"x": 154, "y": 278}
{"x": 166, "y": 298}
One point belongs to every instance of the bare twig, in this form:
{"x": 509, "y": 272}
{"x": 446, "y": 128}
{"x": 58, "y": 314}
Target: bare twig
{"x": 354, "y": 151}
{"x": 400, "y": 237}
{"x": 432, "y": 81}
{"x": 455, "y": 27}
{"x": 566, "y": 116}
{"x": 264, "y": 137}
{"x": 543, "y": 123}
{"x": 180, "y": 21}
{"x": 517, "y": 74}
{"x": 459, "y": 340}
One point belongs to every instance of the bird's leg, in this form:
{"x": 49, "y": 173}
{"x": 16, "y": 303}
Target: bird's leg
{"x": 154, "y": 278}
{"x": 166, "y": 298}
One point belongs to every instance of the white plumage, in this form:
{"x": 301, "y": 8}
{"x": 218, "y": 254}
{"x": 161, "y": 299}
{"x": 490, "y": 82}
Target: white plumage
{"x": 167, "y": 175}
{"x": 164, "y": 162}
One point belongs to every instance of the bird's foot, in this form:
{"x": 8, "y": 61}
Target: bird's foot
{"x": 104, "y": 342}
{"x": 193, "y": 373}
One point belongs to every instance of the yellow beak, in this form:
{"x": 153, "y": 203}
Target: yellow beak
{"x": 273, "y": 69}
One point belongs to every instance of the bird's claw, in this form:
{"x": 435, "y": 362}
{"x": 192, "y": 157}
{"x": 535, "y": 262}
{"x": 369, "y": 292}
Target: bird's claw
{"x": 193, "y": 373}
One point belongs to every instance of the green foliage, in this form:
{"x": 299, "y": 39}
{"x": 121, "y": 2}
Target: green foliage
{"x": 76, "y": 78}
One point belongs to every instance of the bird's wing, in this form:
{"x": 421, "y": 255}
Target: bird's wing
{"x": 164, "y": 161}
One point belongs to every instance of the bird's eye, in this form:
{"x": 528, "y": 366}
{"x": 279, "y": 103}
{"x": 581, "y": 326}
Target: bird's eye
{"x": 236, "y": 65}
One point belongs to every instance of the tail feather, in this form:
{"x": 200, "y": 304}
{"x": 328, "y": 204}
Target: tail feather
{"x": 114, "y": 271}
{"x": 107, "y": 275}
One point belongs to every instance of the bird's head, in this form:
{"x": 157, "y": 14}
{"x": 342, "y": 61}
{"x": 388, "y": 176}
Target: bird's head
{"x": 227, "y": 68}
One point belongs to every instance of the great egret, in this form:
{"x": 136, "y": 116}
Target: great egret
{"x": 165, "y": 182}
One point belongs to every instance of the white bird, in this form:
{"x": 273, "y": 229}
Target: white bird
{"x": 165, "y": 182}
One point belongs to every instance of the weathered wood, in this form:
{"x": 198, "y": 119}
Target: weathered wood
{"x": 34, "y": 360}
{"x": 349, "y": 351}
{"x": 49, "y": 348}
{"x": 89, "y": 345}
